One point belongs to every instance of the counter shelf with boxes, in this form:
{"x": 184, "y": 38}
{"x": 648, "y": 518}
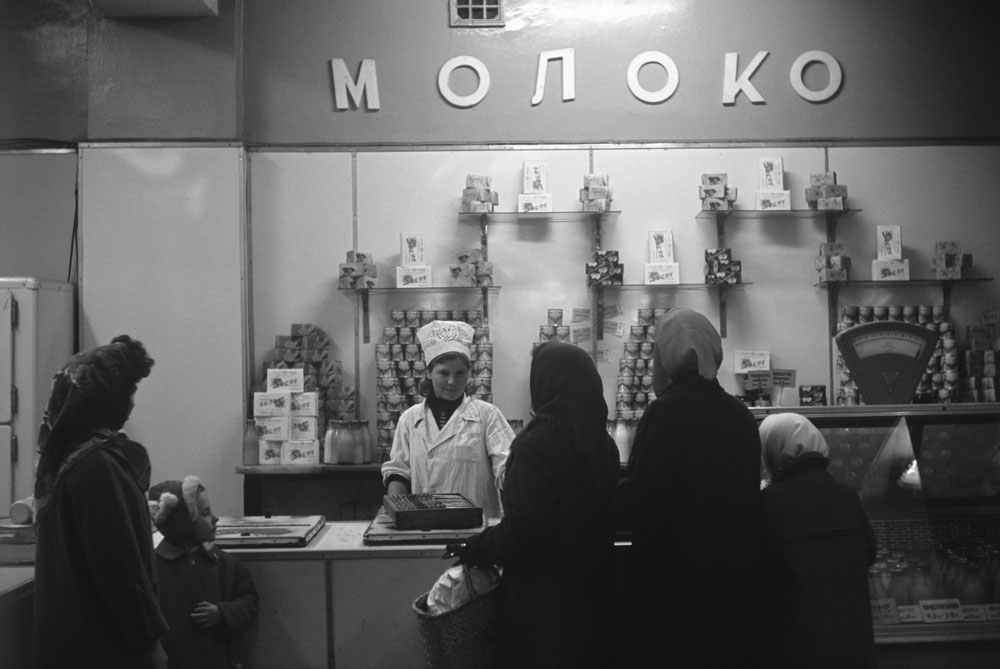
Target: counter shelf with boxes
{"x": 929, "y": 478}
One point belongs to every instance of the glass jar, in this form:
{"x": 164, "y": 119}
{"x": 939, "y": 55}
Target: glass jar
{"x": 345, "y": 442}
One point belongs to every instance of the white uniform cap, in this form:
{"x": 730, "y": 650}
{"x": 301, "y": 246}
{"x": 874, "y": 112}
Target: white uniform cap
{"x": 438, "y": 337}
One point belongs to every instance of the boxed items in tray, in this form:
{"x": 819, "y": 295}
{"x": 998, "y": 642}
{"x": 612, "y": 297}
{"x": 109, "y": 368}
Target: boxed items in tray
{"x": 432, "y": 511}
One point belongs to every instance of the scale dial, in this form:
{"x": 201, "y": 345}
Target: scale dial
{"x": 889, "y": 342}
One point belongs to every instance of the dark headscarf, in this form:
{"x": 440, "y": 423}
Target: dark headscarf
{"x": 91, "y": 396}
{"x": 566, "y": 390}
{"x": 686, "y": 343}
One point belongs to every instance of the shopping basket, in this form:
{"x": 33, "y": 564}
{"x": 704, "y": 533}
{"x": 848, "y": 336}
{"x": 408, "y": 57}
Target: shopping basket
{"x": 463, "y": 637}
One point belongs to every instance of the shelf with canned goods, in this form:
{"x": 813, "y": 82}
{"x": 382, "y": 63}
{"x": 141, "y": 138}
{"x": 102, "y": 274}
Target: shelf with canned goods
{"x": 722, "y": 290}
{"x": 482, "y": 292}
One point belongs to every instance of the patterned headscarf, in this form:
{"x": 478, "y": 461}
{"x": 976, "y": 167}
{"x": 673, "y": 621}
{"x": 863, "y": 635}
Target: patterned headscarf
{"x": 686, "y": 342}
{"x": 91, "y": 396}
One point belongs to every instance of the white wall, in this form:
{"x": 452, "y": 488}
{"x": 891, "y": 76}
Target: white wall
{"x": 161, "y": 260}
{"x": 934, "y": 193}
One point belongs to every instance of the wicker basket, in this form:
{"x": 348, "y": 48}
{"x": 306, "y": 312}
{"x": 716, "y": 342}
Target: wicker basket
{"x": 463, "y": 637}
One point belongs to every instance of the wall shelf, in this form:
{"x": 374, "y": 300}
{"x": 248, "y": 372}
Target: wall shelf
{"x": 832, "y": 217}
{"x": 482, "y": 291}
{"x": 483, "y": 218}
{"x": 833, "y": 291}
{"x": 722, "y": 289}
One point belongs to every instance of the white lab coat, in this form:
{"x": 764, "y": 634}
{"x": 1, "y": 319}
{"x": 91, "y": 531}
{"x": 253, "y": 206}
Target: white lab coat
{"x": 466, "y": 456}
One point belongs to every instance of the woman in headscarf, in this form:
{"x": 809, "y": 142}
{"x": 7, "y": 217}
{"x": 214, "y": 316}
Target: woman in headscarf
{"x": 690, "y": 499}
{"x": 95, "y": 597}
{"x": 818, "y": 545}
{"x": 556, "y": 538}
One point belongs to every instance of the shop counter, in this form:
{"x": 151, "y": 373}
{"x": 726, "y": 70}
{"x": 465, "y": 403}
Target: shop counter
{"x": 339, "y": 603}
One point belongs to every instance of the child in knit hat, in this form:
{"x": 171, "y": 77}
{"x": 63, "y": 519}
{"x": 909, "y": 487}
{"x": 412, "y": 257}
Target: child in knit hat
{"x": 206, "y": 594}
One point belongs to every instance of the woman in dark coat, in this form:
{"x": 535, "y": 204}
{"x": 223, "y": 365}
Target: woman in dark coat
{"x": 691, "y": 500}
{"x": 95, "y": 598}
{"x": 818, "y": 545}
{"x": 555, "y": 541}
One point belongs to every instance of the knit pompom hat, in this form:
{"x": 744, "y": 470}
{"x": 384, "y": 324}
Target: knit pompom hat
{"x": 173, "y": 505}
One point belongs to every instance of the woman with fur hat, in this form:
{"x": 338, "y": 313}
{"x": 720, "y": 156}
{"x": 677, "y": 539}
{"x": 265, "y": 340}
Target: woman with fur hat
{"x": 206, "y": 594}
{"x": 95, "y": 595}
{"x": 450, "y": 442}
{"x": 818, "y": 545}
{"x": 691, "y": 500}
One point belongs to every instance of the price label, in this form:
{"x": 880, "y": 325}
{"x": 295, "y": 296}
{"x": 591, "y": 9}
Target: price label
{"x": 783, "y": 378}
{"x": 941, "y": 610}
{"x": 884, "y": 612}
{"x": 758, "y": 380}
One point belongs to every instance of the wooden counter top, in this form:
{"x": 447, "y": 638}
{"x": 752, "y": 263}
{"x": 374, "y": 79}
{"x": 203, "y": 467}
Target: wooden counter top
{"x": 343, "y": 540}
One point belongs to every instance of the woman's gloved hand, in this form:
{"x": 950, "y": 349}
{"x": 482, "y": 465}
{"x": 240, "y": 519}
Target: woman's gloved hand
{"x": 456, "y": 550}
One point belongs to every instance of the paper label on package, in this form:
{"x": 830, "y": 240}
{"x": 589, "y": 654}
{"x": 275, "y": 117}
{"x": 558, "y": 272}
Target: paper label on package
{"x": 285, "y": 380}
{"x": 890, "y": 245}
{"x": 780, "y": 200}
{"x": 661, "y": 273}
{"x": 771, "y": 174}
{"x": 580, "y": 315}
{"x": 411, "y": 248}
{"x": 602, "y": 355}
{"x": 747, "y": 361}
{"x": 884, "y": 612}
{"x": 941, "y": 610}
{"x": 993, "y": 611}
{"x": 272, "y": 404}
{"x": 270, "y": 452}
{"x": 661, "y": 246}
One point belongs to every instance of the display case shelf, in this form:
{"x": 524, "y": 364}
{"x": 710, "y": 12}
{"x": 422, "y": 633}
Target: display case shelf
{"x": 483, "y": 292}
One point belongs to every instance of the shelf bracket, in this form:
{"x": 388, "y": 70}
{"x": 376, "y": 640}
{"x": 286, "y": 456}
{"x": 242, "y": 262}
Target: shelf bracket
{"x": 484, "y": 231}
{"x": 832, "y": 300}
{"x": 946, "y": 297}
{"x": 597, "y": 232}
{"x": 831, "y": 226}
{"x": 365, "y": 325}
{"x": 486, "y": 305}
{"x": 598, "y": 313}
{"x": 723, "y": 290}
{"x": 720, "y": 229}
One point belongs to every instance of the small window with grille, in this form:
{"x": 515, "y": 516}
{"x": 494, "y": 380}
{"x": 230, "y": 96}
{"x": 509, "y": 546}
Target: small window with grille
{"x": 476, "y": 13}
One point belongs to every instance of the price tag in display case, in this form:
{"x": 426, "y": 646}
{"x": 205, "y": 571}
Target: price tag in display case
{"x": 887, "y": 358}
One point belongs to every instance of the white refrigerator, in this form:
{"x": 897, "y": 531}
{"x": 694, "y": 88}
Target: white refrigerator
{"x": 36, "y": 340}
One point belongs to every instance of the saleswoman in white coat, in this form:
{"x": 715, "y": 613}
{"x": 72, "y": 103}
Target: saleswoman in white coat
{"x": 450, "y": 442}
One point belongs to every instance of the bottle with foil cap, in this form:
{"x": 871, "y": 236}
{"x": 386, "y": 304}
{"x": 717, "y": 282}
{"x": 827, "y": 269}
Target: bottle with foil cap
{"x": 330, "y": 453}
{"x": 251, "y": 443}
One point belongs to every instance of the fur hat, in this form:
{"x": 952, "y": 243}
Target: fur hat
{"x": 439, "y": 337}
{"x": 173, "y": 506}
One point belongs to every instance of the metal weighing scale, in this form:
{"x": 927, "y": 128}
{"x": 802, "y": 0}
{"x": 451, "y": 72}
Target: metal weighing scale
{"x": 887, "y": 358}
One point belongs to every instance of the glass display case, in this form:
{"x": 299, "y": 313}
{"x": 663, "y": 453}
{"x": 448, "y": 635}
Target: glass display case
{"x": 929, "y": 477}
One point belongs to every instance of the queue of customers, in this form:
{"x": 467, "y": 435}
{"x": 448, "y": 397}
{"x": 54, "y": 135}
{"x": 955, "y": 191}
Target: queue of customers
{"x": 722, "y": 574}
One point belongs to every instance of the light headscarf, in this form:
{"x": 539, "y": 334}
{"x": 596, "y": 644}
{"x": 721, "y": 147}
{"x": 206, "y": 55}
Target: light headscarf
{"x": 686, "y": 342}
{"x": 788, "y": 437}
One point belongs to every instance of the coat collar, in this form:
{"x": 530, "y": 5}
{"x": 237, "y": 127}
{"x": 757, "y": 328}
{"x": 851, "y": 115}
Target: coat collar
{"x": 170, "y": 551}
